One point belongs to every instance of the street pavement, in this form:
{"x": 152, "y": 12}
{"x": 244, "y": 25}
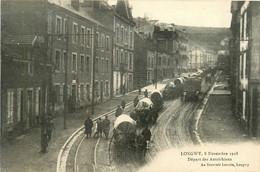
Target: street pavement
{"x": 22, "y": 153}
{"x": 217, "y": 123}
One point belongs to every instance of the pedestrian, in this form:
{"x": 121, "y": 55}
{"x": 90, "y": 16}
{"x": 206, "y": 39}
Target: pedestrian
{"x": 136, "y": 100}
{"x": 123, "y": 104}
{"x": 44, "y": 143}
{"x": 70, "y": 104}
{"x": 98, "y": 128}
{"x": 106, "y": 126}
{"x": 49, "y": 127}
{"x": 145, "y": 93}
{"x": 146, "y": 134}
{"x": 141, "y": 147}
{"x": 88, "y": 126}
{"x": 119, "y": 111}
{"x": 139, "y": 90}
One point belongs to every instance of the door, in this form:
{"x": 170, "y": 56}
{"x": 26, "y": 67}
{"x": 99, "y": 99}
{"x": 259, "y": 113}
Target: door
{"x": 30, "y": 108}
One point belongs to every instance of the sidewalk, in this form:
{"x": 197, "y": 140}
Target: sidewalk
{"x": 22, "y": 154}
{"x": 217, "y": 123}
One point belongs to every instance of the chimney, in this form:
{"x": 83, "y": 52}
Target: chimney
{"x": 75, "y": 4}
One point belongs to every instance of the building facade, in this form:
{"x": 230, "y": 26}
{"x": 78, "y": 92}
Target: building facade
{"x": 144, "y": 61}
{"x": 245, "y": 53}
{"x": 52, "y": 29}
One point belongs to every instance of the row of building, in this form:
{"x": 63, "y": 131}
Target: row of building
{"x": 80, "y": 52}
{"x": 245, "y": 71}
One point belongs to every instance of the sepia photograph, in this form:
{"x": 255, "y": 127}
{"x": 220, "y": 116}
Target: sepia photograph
{"x": 130, "y": 86}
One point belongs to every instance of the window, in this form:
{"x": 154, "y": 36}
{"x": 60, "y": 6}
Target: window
{"x": 131, "y": 62}
{"x": 117, "y": 57}
{"x": 37, "y": 102}
{"x": 117, "y": 33}
{"x": 74, "y": 62}
{"x": 82, "y": 63}
{"x": 101, "y": 66}
{"x": 122, "y": 58}
{"x": 57, "y": 60}
{"x": 126, "y": 36}
{"x": 10, "y": 107}
{"x": 126, "y": 58}
{"x": 107, "y": 66}
{"x": 107, "y": 44}
{"x": 96, "y": 65}
{"x": 19, "y": 105}
{"x": 103, "y": 41}
{"x": 88, "y": 37}
{"x": 65, "y": 26}
{"x": 64, "y": 58}
{"x": 82, "y": 92}
{"x": 98, "y": 40}
{"x": 88, "y": 92}
{"x": 107, "y": 88}
{"x": 131, "y": 39}
{"x": 75, "y": 32}
{"x": 58, "y": 25}
{"x": 57, "y": 94}
{"x": 83, "y": 36}
{"x": 122, "y": 34}
{"x": 87, "y": 64}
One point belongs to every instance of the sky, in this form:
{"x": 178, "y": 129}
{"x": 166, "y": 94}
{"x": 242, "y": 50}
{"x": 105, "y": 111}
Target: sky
{"x": 205, "y": 13}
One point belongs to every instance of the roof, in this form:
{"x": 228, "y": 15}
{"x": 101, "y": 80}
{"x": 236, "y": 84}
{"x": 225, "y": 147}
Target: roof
{"x": 29, "y": 40}
{"x": 123, "y": 118}
{"x": 144, "y": 103}
{"x": 66, "y": 4}
{"x": 123, "y": 10}
{"x": 156, "y": 91}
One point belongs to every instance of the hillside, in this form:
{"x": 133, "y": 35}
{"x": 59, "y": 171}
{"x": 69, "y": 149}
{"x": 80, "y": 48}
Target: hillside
{"x": 207, "y": 37}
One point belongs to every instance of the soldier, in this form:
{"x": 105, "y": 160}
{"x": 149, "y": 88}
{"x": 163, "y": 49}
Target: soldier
{"x": 88, "y": 126}
{"x": 123, "y": 104}
{"x": 136, "y": 100}
{"x": 44, "y": 140}
{"x": 119, "y": 111}
{"x": 141, "y": 147}
{"x": 145, "y": 93}
{"x": 98, "y": 128}
{"x": 106, "y": 126}
{"x": 49, "y": 127}
{"x": 146, "y": 134}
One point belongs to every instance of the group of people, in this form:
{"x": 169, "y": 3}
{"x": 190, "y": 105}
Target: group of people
{"x": 101, "y": 126}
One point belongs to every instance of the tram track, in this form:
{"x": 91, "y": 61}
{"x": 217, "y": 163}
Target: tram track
{"x": 65, "y": 150}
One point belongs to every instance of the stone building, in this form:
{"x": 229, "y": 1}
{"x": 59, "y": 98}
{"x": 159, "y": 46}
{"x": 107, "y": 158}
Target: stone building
{"x": 245, "y": 71}
{"x": 36, "y": 32}
{"x": 119, "y": 19}
{"x": 144, "y": 61}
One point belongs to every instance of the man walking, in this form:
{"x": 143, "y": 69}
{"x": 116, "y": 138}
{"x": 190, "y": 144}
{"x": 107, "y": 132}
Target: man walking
{"x": 98, "y": 128}
{"x": 119, "y": 111}
{"x": 106, "y": 126}
{"x": 49, "y": 127}
{"x": 123, "y": 104}
{"x": 145, "y": 93}
{"x": 146, "y": 134}
{"x": 88, "y": 126}
{"x": 136, "y": 100}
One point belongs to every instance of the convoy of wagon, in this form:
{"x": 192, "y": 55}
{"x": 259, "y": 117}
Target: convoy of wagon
{"x": 191, "y": 86}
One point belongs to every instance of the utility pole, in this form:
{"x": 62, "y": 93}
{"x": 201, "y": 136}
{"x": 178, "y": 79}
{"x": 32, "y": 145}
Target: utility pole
{"x": 94, "y": 43}
{"x": 66, "y": 78}
{"x": 156, "y": 70}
